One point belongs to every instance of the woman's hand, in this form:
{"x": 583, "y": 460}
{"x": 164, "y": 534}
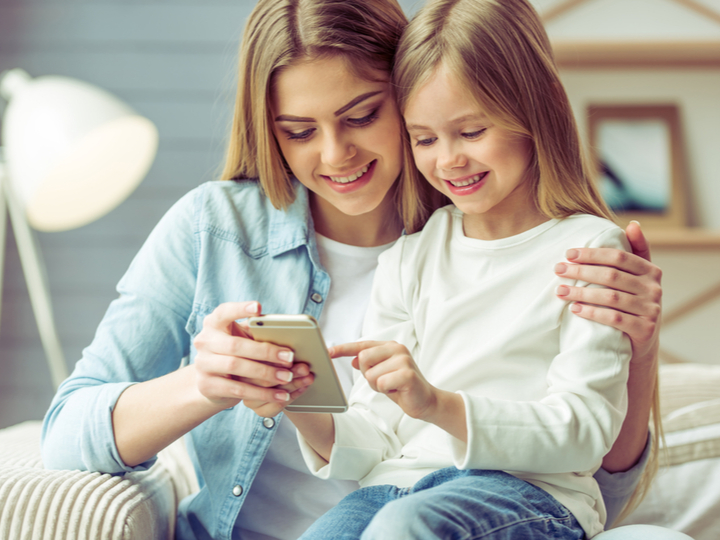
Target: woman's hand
{"x": 302, "y": 378}
{"x": 230, "y": 366}
{"x": 631, "y": 299}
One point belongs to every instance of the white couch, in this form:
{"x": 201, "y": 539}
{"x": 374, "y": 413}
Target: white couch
{"x": 40, "y": 504}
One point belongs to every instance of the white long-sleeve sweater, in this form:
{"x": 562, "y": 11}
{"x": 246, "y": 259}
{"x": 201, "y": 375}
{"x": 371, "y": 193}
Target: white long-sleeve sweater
{"x": 544, "y": 390}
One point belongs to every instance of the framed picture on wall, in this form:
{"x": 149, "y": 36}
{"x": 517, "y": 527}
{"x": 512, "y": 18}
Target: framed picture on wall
{"x": 638, "y": 155}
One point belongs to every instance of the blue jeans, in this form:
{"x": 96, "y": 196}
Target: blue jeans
{"x": 449, "y": 504}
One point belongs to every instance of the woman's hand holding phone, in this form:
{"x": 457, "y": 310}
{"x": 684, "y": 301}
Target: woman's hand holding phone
{"x": 231, "y": 367}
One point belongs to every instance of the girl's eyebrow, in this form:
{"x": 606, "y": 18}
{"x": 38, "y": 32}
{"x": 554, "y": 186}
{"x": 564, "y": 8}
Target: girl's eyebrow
{"x": 344, "y": 108}
{"x": 459, "y": 120}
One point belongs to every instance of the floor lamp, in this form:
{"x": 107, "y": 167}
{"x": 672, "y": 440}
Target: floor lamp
{"x": 71, "y": 152}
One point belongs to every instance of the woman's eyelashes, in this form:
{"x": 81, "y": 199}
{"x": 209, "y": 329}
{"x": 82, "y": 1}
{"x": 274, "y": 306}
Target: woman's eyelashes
{"x": 365, "y": 120}
{"x": 305, "y": 135}
{"x": 300, "y": 136}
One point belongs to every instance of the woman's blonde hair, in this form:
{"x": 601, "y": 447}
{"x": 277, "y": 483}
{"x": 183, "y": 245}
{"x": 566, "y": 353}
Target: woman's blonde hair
{"x": 500, "y": 52}
{"x": 281, "y": 33}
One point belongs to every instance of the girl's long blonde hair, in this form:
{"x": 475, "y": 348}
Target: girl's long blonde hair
{"x": 280, "y": 33}
{"x": 500, "y": 52}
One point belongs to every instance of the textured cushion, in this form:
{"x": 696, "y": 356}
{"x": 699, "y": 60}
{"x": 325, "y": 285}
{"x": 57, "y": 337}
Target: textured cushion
{"x": 41, "y": 504}
{"x": 685, "y": 495}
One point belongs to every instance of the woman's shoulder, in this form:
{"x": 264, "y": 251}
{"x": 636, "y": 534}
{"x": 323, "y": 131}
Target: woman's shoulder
{"x": 219, "y": 197}
{"x": 233, "y": 206}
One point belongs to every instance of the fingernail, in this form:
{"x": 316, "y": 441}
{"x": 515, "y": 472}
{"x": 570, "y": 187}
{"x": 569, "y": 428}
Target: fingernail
{"x": 303, "y": 370}
{"x": 286, "y": 356}
{"x": 572, "y": 254}
{"x": 286, "y": 376}
{"x": 560, "y": 268}
{"x": 282, "y": 396}
{"x": 562, "y": 290}
{"x": 576, "y": 308}
{"x": 253, "y": 308}
{"x": 636, "y": 222}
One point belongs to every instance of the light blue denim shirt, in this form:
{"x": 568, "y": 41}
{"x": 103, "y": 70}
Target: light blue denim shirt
{"x": 224, "y": 241}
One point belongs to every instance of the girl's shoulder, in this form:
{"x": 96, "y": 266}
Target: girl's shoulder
{"x": 409, "y": 249}
{"x": 592, "y": 231}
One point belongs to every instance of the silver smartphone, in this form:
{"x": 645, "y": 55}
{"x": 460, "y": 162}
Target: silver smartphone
{"x": 301, "y": 333}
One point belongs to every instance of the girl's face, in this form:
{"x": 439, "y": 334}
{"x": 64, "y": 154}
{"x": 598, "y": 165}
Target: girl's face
{"x": 340, "y": 134}
{"x": 481, "y": 167}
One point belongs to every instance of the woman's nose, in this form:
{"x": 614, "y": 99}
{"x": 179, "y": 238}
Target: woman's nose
{"x": 337, "y": 151}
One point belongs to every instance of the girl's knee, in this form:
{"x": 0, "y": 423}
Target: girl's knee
{"x": 403, "y": 519}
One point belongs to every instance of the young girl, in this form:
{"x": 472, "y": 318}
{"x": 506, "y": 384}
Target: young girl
{"x": 476, "y": 368}
{"x": 276, "y": 236}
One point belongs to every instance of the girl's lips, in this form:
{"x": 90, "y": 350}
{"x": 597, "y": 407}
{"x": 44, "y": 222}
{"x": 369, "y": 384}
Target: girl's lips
{"x": 354, "y": 185}
{"x": 468, "y": 188}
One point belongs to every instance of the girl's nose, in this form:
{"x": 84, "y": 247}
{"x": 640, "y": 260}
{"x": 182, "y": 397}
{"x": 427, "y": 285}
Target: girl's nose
{"x": 337, "y": 151}
{"x": 450, "y": 158}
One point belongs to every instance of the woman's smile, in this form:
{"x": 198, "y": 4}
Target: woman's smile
{"x": 350, "y": 177}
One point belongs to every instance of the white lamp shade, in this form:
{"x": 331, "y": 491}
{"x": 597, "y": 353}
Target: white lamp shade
{"x": 73, "y": 151}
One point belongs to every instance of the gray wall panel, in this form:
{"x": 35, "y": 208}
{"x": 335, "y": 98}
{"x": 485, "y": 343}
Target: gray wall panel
{"x": 172, "y": 61}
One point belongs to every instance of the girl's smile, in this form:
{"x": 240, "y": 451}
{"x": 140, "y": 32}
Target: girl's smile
{"x": 466, "y": 185}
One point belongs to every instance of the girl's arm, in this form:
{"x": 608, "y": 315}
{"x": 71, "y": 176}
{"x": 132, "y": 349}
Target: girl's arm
{"x": 318, "y": 430}
{"x": 631, "y": 303}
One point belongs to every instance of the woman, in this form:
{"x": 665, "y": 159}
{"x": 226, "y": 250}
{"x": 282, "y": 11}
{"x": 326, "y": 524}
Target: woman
{"x": 316, "y": 194}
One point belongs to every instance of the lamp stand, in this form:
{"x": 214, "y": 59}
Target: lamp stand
{"x": 35, "y": 276}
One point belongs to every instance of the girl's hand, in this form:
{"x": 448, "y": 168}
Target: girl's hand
{"x": 631, "y": 301}
{"x": 389, "y": 369}
{"x": 230, "y": 366}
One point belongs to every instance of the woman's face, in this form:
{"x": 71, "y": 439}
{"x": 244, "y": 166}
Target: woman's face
{"x": 339, "y": 134}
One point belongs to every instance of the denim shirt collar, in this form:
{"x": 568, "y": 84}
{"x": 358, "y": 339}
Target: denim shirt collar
{"x": 292, "y": 227}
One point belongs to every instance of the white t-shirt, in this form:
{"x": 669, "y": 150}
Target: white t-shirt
{"x": 545, "y": 391}
{"x": 285, "y": 498}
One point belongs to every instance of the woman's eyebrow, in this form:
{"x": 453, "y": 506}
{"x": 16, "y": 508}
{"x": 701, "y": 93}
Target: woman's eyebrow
{"x": 359, "y": 99}
{"x": 290, "y": 118}
{"x": 344, "y": 108}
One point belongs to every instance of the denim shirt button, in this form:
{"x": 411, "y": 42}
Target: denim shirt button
{"x": 269, "y": 423}
{"x": 316, "y": 298}
{"x": 237, "y": 490}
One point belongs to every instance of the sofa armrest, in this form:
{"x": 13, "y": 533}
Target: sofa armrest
{"x": 39, "y": 503}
